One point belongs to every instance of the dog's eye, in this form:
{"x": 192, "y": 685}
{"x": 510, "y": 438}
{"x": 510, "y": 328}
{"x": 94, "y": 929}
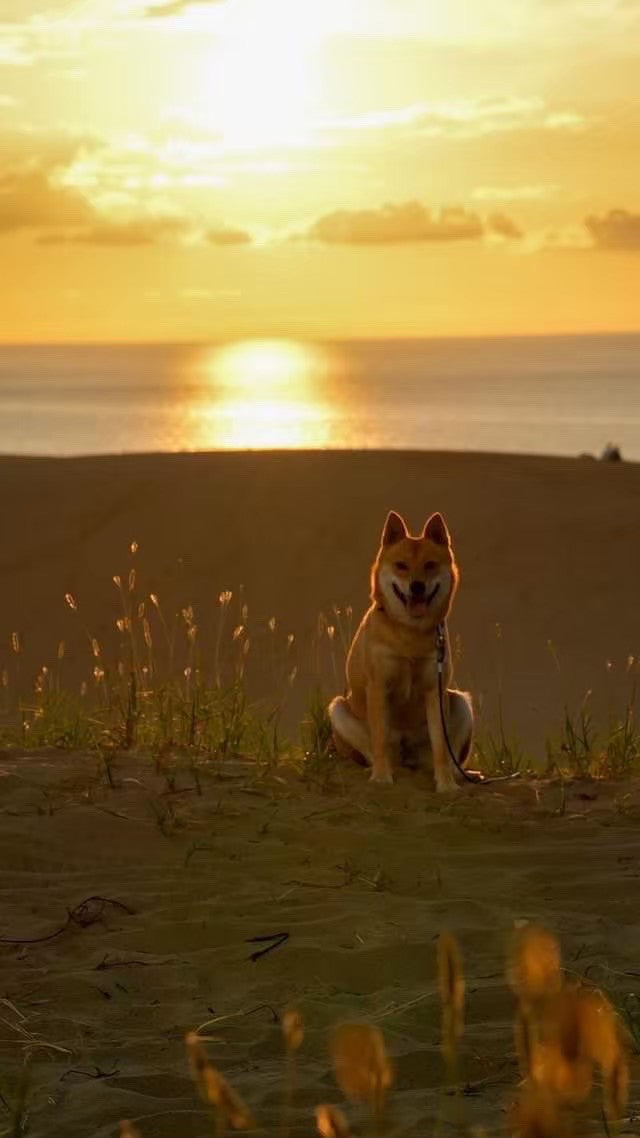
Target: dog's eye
{"x": 401, "y": 567}
{"x": 430, "y": 566}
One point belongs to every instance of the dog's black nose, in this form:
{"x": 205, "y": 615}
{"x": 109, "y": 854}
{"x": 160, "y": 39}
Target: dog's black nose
{"x": 417, "y": 588}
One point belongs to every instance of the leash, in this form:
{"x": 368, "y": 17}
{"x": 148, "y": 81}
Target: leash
{"x": 476, "y": 779}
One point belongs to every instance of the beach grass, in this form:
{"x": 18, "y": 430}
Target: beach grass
{"x": 155, "y": 689}
{"x": 571, "y": 1043}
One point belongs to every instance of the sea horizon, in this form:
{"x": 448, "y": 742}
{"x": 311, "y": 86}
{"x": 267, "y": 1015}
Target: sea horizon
{"x": 562, "y": 394}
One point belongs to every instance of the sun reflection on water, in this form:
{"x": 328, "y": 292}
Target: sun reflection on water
{"x": 262, "y": 394}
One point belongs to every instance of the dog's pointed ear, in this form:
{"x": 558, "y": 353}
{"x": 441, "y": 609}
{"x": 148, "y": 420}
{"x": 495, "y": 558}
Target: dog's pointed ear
{"x": 435, "y": 530}
{"x": 394, "y": 529}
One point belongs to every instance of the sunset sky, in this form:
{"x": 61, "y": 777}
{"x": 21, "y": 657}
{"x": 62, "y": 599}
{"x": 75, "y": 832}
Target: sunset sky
{"x": 190, "y": 170}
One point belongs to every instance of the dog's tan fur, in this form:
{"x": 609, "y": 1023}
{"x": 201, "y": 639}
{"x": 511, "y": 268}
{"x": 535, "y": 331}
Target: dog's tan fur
{"x": 392, "y": 703}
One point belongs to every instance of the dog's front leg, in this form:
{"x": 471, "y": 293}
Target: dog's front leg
{"x": 443, "y": 769}
{"x": 377, "y": 715}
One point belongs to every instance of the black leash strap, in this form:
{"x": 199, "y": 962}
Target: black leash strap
{"x": 477, "y": 780}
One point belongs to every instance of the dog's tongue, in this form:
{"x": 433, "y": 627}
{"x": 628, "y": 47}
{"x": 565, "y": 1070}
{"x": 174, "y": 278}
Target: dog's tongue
{"x": 418, "y": 605}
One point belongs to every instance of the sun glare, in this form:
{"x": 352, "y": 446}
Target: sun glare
{"x": 264, "y": 394}
{"x": 261, "y": 82}
{"x": 261, "y": 368}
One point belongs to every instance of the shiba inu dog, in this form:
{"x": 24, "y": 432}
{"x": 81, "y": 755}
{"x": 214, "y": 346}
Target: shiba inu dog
{"x": 391, "y": 711}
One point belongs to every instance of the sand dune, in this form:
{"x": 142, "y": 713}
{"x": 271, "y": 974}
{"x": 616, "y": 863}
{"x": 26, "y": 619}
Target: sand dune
{"x": 549, "y": 549}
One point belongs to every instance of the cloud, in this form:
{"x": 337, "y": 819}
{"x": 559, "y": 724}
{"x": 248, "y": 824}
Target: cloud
{"x": 564, "y": 238}
{"x": 31, "y": 200}
{"x": 393, "y": 224}
{"x": 120, "y": 234}
{"x": 27, "y": 150}
{"x": 224, "y": 235}
{"x": 32, "y": 194}
{"x": 14, "y": 51}
{"x": 136, "y": 231}
{"x": 64, "y": 187}
{"x": 504, "y": 226}
{"x": 21, "y": 11}
{"x": 618, "y": 229}
{"x": 465, "y": 118}
{"x": 526, "y": 193}
{"x": 175, "y": 7}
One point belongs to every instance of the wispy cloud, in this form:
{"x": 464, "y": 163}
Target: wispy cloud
{"x": 176, "y": 7}
{"x": 21, "y": 11}
{"x": 121, "y": 234}
{"x": 526, "y": 193}
{"x": 226, "y": 235}
{"x": 464, "y": 118}
{"x": 15, "y": 51}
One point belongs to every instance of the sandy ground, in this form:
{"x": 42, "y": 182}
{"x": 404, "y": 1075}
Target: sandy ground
{"x": 549, "y": 549}
{"x": 361, "y": 878}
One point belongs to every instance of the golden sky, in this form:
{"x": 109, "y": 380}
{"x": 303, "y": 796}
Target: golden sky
{"x": 191, "y": 169}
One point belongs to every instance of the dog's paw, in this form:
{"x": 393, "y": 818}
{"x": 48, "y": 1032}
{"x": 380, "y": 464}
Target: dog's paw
{"x": 446, "y": 785}
{"x": 384, "y": 777}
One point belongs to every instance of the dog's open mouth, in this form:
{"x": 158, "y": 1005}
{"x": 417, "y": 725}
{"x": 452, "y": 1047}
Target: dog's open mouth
{"x": 416, "y": 605}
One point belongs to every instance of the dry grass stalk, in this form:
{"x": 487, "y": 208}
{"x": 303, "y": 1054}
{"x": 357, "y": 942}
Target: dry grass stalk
{"x": 452, "y": 988}
{"x": 331, "y": 1122}
{"x": 363, "y": 1069}
{"x": 525, "y": 1040}
{"x": 616, "y": 1088}
{"x": 214, "y": 1089}
{"x": 293, "y": 1033}
{"x": 536, "y": 1115}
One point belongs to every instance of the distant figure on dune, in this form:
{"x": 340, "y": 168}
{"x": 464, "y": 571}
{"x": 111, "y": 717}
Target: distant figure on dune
{"x": 611, "y": 453}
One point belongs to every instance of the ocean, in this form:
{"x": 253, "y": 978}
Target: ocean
{"x": 560, "y": 395}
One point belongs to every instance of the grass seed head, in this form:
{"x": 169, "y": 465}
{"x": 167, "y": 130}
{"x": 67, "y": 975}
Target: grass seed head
{"x": 585, "y": 1027}
{"x": 128, "y": 1130}
{"x": 565, "y": 1080}
{"x": 213, "y": 1088}
{"x": 331, "y": 1122}
{"x": 292, "y": 1029}
{"x": 363, "y": 1070}
{"x": 534, "y": 969}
